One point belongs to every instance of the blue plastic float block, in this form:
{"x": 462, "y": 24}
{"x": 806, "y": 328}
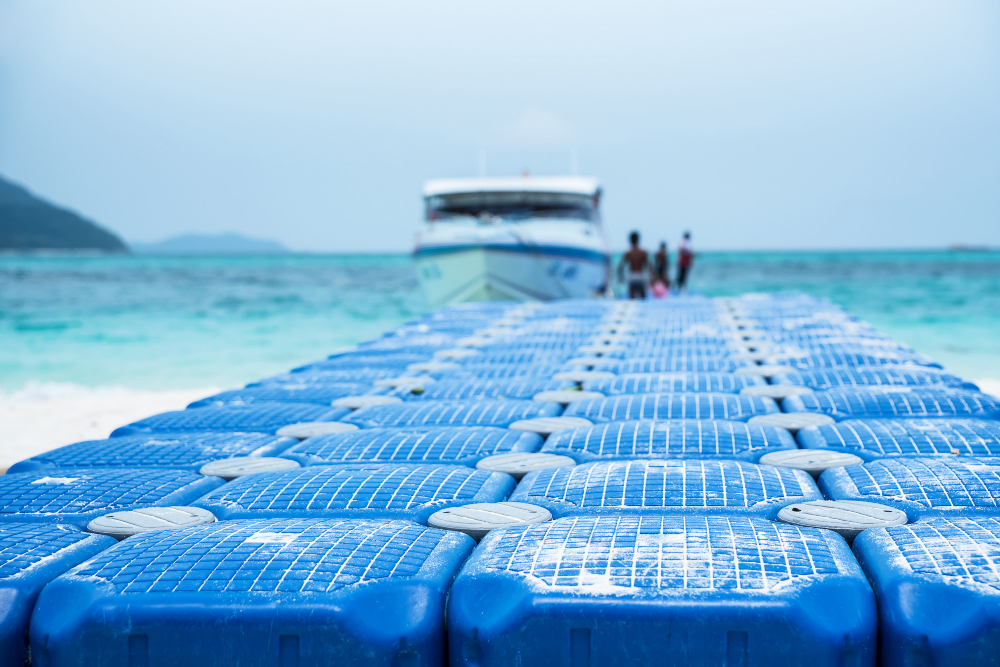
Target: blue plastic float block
{"x": 381, "y": 360}
{"x": 673, "y": 439}
{"x": 441, "y": 444}
{"x": 654, "y": 383}
{"x": 318, "y": 394}
{"x": 831, "y": 359}
{"x": 921, "y": 487}
{"x": 877, "y": 438}
{"x": 683, "y": 364}
{"x": 457, "y": 390}
{"x": 518, "y": 356}
{"x": 709, "y": 348}
{"x": 409, "y": 341}
{"x": 673, "y": 590}
{"x": 501, "y": 371}
{"x": 667, "y": 486}
{"x": 672, "y": 406}
{"x": 556, "y": 344}
{"x": 272, "y": 593}
{"x": 831, "y": 378}
{"x": 78, "y": 496}
{"x": 32, "y": 555}
{"x": 938, "y": 588}
{"x": 180, "y": 451}
{"x": 358, "y": 491}
{"x": 452, "y": 413}
{"x": 359, "y": 375}
{"x": 896, "y": 402}
{"x": 263, "y": 418}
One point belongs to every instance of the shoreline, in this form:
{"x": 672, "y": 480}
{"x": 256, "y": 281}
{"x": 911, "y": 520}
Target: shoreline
{"x": 43, "y": 416}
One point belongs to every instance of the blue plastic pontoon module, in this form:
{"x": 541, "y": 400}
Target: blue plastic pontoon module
{"x": 352, "y": 375}
{"x": 503, "y": 371}
{"x": 676, "y": 590}
{"x": 32, "y": 555}
{"x": 361, "y": 491}
{"x": 693, "y": 364}
{"x": 663, "y": 383}
{"x": 319, "y": 394}
{"x": 896, "y": 402}
{"x": 180, "y": 451}
{"x": 672, "y": 406}
{"x": 304, "y": 593}
{"x": 829, "y": 359}
{"x": 920, "y": 487}
{"x": 467, "y": 389}
{"x": 452, "y": 413}
{"x": 77, "y": 496}
{"x": 264, "y": 418}
{"x": 877, "y": 438}
{"x": 439, "y": 444}
{"x": 938, "y": 589}
{"x": 870, "y": 376}
{"x": 672, "y": 439}
{"x": 666, "y": 486}
{"x": 360, "y": 360}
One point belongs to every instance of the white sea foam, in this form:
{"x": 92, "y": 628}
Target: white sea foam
{"x": 45, "y": 415}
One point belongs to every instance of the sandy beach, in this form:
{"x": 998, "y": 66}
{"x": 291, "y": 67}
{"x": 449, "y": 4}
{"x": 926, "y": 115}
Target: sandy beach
{"x": 41, "y": 417}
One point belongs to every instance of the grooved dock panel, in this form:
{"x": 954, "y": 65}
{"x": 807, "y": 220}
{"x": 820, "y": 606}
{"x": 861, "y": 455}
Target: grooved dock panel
{"x": 360, "y": 360}
{"x": 674, "y": 439}
{"x": 265, "y": 418}
{"x": 920, "y": 487}
{"x": 502, "y": 371}
{"x": 687, "y": 589}
{"x": 452, "y": 390}
{"x": 672, "y": 406}
{"x": 292, "y": 592}
{"x": 898, "y": 402}
{"x": 32, "y": 555}
{"x": 875, "y": 438}
{"x": 363, "y": 491}
{"x": 662, "y": 383}
{"x": 319, "y": 394}
{"x": 616, "y": 487}
{"x": 684, "y": 364}
{"x": 830, "y": 378}
{"x": 831, "y": 359}
{"x": 452, "y": 413}
{"x": 180, "y": 451}
{"x": 77, "y": 496}
{"x": 938, "y": 585}
{"x": 460, "y": 445}
{"x": 354, "y": 375}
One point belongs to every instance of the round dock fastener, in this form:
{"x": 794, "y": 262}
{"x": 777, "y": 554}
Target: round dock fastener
{"x": 120, "y": 525}
{"x": 478, "y": 519}
{"x": 566, "y": 396}
{"x": 519, "y": 464}
{"x": 813, "y": 461}
{"x": 846, "y": 517}
{"x": 775, "y": 391}
{"x": 238, "y": 466}
{"x": 304, "y": 430}
{"x": 358, "y": 402}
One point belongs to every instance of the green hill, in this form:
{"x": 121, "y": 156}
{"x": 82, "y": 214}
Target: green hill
{"x": 30, "y": 223}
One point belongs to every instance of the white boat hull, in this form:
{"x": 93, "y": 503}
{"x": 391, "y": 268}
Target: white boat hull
{"x": 478, "y": 272}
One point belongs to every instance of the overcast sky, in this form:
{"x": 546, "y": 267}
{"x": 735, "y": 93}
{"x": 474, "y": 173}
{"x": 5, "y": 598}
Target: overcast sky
{"x": 758, "y": 125}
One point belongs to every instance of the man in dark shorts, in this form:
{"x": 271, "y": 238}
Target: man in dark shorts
{"x": 638, "y": 263}
{"x": 685, "y": 257}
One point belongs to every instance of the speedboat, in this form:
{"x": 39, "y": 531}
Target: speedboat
{"x": 526, "y": 238}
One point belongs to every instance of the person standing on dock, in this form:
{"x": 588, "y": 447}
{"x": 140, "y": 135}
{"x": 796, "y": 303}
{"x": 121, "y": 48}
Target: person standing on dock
{"x": 685, "y": 257}
{"x": 638, "y": 263}
{"x": 661, "y": 265}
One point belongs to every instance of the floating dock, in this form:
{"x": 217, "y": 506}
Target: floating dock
{"x": 754, "y": 481}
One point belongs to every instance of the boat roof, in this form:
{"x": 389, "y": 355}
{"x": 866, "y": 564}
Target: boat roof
{"x": 582, "y": 185}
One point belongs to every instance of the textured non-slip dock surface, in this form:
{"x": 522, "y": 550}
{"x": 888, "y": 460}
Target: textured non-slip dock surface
{"x": 876, "y": 438}
{"x": 264, "y": 418}
{"x": 452, "y": 413}
{"x": 294, "y": 592}
{"x": 912, "y": 402}
{"x": 702, "y": 590}
{"x": 682, "y": 438}
{"x": 672, "y": 406}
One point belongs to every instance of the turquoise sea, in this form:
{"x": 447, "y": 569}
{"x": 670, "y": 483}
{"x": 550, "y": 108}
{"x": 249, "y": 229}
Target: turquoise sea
{"x": 178, "y": 322}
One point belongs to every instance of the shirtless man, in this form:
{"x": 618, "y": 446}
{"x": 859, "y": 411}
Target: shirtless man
{"x": 638, "y": 263}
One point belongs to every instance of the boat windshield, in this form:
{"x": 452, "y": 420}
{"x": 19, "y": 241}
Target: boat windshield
{"x": 513, "y": 206}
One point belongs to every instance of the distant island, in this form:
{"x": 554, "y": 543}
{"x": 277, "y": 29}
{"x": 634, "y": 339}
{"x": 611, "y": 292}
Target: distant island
{"x": 30, "y": 223}
{"x": 220, "y": 244}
